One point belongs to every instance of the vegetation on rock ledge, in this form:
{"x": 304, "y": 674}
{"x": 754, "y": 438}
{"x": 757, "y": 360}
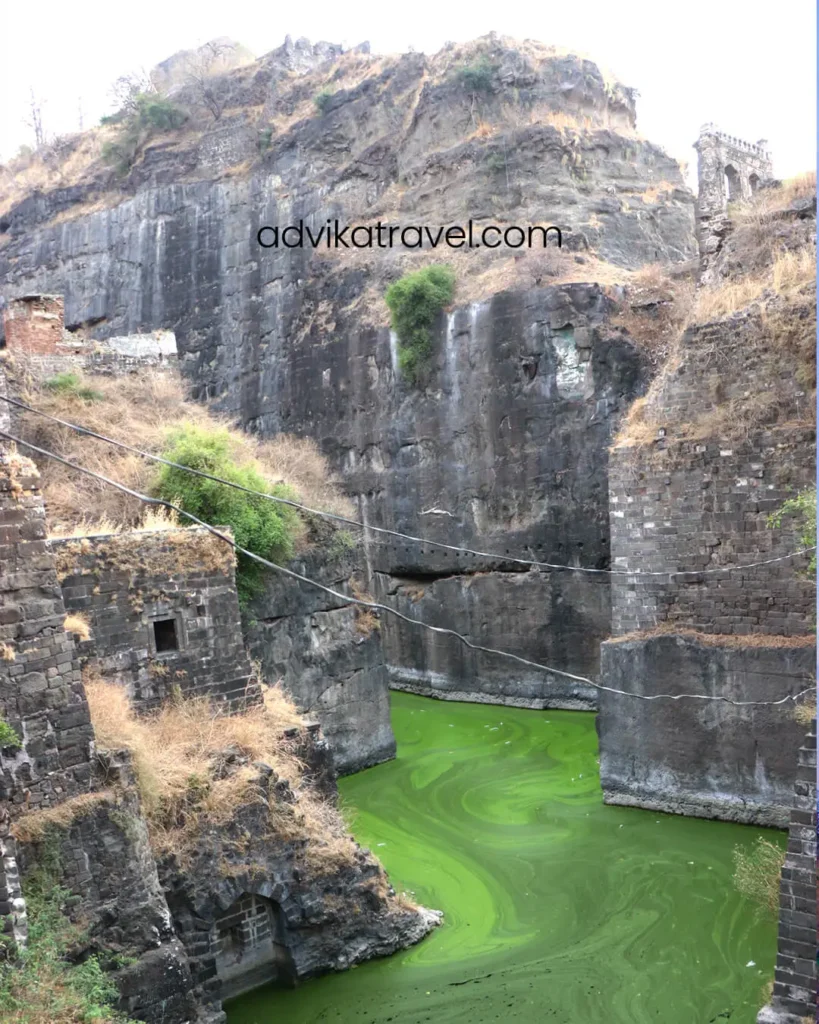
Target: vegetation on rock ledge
{"x": 265, "y": 527}
{"x": 40, "y": 984}
{"x": 414, "y": 302}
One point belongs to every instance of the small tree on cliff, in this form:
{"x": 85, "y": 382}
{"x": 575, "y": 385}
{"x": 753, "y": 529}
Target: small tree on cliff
{"x": 264, "y": 527}
{"x": 415, "y": 300}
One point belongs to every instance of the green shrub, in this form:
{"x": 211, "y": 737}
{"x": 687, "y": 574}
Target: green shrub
{"x": 757, "y": 873}
{"x": 802, "y": 511}
{"x": 322, "y": 99}
{"x": 8, "y": 737}
{"x": 153, "y": 111}
{"x": 477, "y": 76}
{"x": 414, "y": 302}
{"x": 69, "y": 383}
{"x": 149, "y": 113}
{"x": 265, "y": 136}
{"x": 39, "y": 983}
{"x": 495, "y": 162}
{"x": 264, "y": 527}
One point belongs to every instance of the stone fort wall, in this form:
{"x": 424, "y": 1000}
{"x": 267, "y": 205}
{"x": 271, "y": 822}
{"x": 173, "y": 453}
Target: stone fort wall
{"x": 41, "y": 692}
{"x": 163, "y": 613}
{"x": 691, "y": 500}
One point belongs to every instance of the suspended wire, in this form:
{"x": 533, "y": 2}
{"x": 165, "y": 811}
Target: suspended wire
{"x": 670, "y": 573}
{"x": 376, "y": 605}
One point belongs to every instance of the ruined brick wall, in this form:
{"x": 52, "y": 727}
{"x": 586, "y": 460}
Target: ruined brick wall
{"x": 34, "y": 324}
{"x": 163, "y": 612}
{"x": 794, "y": 992}
{"x": 41, "y": 693}
{"x": 693, "y": 500}
{"x": 75, "y": 352}
{"x": 696, "y": 505}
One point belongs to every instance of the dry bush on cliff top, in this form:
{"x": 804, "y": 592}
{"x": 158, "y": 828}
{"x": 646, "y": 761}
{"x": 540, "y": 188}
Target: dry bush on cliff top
{"x": 177, "y": 755}
{"x": 140, "y": 409}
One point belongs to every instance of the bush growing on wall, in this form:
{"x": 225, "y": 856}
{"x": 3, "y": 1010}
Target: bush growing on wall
{"x": 801, "y": 510}
{"x": 8, "y": 737}
{"x": 414, "y": 302}
{"x": 264, "y": 527}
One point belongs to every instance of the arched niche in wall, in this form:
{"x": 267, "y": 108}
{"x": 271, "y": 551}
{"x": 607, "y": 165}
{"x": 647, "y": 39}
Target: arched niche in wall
{"x": 733, "y": 185}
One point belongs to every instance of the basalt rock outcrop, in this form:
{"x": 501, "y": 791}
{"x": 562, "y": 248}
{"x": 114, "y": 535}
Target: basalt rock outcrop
{"x": 249, "y": 891}
{"x": 325, "y": 651}
{"x": 510, "y": 435}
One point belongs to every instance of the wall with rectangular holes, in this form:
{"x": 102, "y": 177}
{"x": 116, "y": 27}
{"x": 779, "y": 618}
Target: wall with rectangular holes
{"x": 162, "y": 610}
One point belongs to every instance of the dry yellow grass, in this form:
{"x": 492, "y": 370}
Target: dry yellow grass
{"x": 140, "y": 409}
{"x": 176, "y": 755}
{"x": 790, "y": 272}
{"x": 66, "y": 162}
{"x": 760, "y": 208}
{"x": 33, "y": 826}
{"x": 757, "y": 873}
{"x": 805, "y": 713}
{"x": 654, "y": 192}
{"x": 77, "y": 624}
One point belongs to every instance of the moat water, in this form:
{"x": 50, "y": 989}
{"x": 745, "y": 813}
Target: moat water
{"x": 558, "y": 909}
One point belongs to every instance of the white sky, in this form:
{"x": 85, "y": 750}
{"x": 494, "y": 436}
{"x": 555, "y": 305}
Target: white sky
{"x": 750, "y": 68}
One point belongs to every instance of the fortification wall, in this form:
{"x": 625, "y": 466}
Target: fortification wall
{"x": 728, "y": 169}
{"x": 41, "y": 693}
{"x": 697, "y": 505}
{"x": 705, "y": 758}
{"x": 163, "y": 612}
{"x": 327, "y": 653}
{"x": 794, "y": 991}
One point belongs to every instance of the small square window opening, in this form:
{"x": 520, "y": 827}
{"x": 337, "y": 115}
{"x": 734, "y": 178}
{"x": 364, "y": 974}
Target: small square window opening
{"x": 165, "y": 637}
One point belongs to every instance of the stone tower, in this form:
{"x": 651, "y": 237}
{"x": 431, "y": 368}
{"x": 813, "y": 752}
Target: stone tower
{"x": 728, "y": 170}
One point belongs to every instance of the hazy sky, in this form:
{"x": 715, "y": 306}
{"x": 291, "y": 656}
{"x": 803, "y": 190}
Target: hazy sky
{"x": 749, "y": 68}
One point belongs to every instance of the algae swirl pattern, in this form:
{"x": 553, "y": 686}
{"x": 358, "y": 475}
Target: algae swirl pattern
{"x": 558, "y": 909}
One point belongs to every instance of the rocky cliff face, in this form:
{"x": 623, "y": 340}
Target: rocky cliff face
{"x": 510, "y": 437}
{"x": 327, "y": 653}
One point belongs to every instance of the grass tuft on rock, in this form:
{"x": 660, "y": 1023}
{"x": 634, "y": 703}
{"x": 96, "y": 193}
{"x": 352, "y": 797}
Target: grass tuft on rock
{"x": 177, "y": 753}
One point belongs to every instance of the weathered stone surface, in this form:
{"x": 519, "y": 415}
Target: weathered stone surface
{"x": 794, "y": 992}
{"x": 102, "y": 856}
{"x": 318, "y": 918}
{"x": 704, "y": 758}
{"x": 510, "y": 435}
{"x": 41, "y": 694}
{"x": 326, "y": 654}
{"x": 184, "y": 579}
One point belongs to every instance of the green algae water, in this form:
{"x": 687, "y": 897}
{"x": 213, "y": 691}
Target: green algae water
{"x": 558, "y": 909}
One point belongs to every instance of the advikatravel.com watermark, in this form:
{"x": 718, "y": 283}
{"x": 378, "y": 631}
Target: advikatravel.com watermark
{"x": 334, "y": 235}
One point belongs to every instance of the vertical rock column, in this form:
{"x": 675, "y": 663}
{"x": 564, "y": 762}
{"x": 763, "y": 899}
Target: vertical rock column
{"x": 41, "y": 695}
